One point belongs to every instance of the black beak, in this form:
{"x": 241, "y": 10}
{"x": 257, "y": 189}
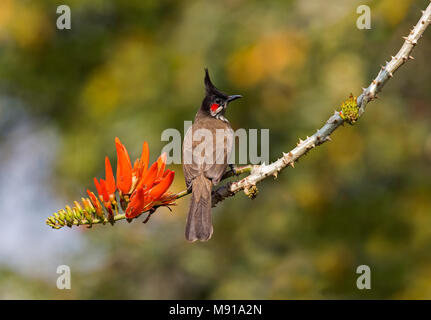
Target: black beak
{"x": 233, "y": 97}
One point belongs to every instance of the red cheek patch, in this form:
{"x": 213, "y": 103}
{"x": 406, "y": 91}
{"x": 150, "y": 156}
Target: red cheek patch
{"x": 214, "y": 107}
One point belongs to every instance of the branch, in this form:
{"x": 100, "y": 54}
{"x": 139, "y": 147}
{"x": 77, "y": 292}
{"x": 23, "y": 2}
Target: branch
{"x": 260, "y": 172}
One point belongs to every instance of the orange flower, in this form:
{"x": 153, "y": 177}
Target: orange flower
{"x": 147, "y": 187}
{"x": 141, "y": 164}
{"x": 141, "y": 188}
{"x": 145, "y": 157}
{"x": 105, "y": 195}
{"x": 124, "y": 168}
{"x": 138, "y": 203}
{"x": 109, "y": 176}
{"x": 148, "y": 178}
{"x": 96, "y": 203}
{"x": 151, "y": 190}
{"x": 158, "y": 190}
{"x": 161, "y": 165}
{"x": 98, "y": 187}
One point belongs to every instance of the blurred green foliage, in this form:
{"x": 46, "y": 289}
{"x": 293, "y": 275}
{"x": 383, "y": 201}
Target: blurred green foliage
{"x": 134, "y": 68}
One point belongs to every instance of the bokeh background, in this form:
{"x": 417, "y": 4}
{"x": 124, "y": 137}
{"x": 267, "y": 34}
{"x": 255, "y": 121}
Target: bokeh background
{"x": 134, "y": 68}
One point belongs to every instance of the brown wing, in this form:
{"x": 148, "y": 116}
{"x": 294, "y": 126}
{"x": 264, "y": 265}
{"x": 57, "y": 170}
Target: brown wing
{"x": 208, "y": 151}
{"x": 221, "y": 152}
{"x": 190, "y": 169}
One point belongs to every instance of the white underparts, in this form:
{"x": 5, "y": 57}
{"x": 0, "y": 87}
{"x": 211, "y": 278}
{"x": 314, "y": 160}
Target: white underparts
{"x": 218, "y": 114}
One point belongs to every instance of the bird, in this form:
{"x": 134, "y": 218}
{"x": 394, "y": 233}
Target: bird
{"x": 206, "y": 150}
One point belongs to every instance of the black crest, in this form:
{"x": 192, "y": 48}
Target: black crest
{"x": 210, "y": 89}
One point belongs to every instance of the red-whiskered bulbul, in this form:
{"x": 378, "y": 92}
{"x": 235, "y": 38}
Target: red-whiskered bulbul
{"x": 205, "y": 158}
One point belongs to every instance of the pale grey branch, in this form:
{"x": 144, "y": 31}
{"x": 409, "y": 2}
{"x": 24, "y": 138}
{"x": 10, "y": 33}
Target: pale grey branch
{"x": 260, "y": 172}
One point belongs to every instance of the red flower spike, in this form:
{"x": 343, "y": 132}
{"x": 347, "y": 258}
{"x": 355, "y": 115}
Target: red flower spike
{"x": 96, "y": 203}
{"x": 136, "y": 167}
{"x": 110, "y": 181}
{"x": 166, "y": 173}
{"x": 105, "y": 199}
{"x": 98, "y": 187}
{"x": 124, "y": 168}
{"x": 141, "y": 188}
{"x": 105, "y": 194}
{"x": 140, "y": 165}
{"x": 148, "y": 179}
{"x": 145, "y": 158}
{"x": 161, "y": 164}
{"x": 138, "y": 203}
{"x": 162, "y": 187}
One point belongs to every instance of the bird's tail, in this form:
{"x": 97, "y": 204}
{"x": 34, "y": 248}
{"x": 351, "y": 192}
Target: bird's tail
{"x": 199, "y": 225}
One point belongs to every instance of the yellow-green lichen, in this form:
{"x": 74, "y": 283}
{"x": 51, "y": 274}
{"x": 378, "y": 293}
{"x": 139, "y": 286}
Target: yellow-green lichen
{"x": 349, "y": 110}
{"x": 251, "y": 192}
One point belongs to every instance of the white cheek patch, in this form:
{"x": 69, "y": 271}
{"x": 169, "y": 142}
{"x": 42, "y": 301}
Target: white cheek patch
{"x": 217, "y": 111}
